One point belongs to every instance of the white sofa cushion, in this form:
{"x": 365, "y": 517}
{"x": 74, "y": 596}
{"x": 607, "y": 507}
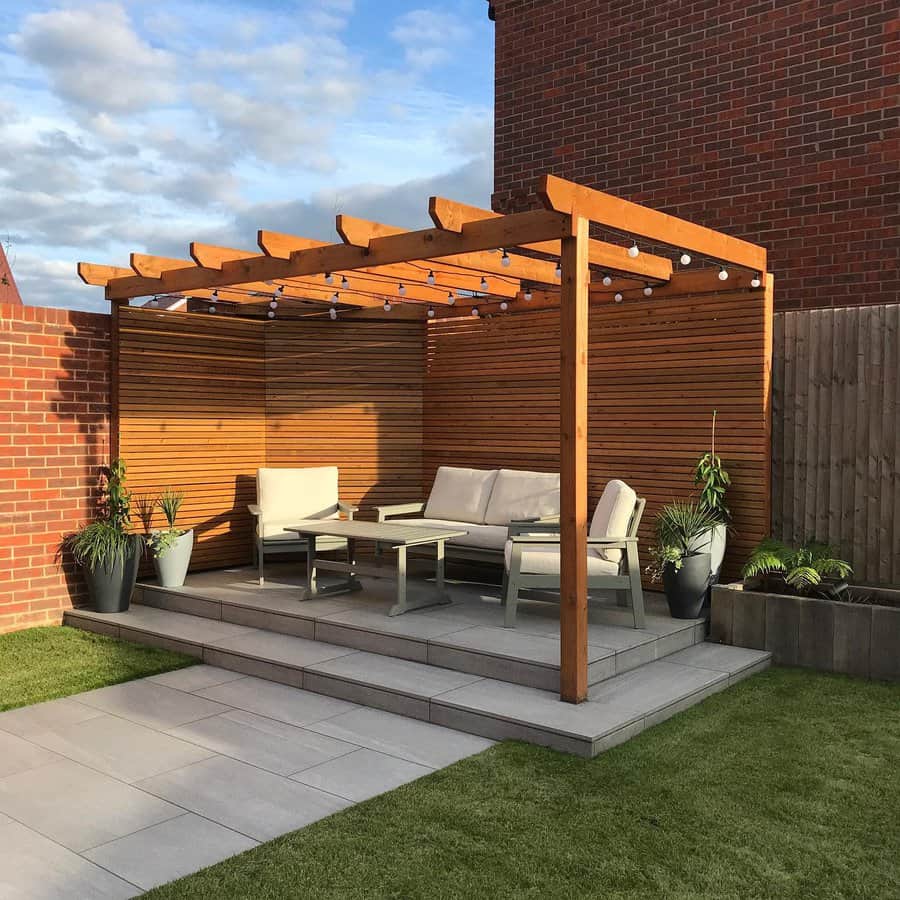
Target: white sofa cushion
{"x": 460, "y": 495}
{"x": 543, "y": 559}
{"x": 483, "y": 537}
{"x": 612, "y": 515}
{"x": 289, "y": 495}
{"x": 522, "y": 495}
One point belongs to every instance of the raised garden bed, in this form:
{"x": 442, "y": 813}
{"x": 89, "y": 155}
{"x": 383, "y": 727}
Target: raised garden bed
{"x": 861, "y": 638}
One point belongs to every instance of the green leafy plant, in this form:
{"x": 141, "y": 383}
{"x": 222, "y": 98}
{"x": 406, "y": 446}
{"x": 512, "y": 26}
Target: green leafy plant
{"x": 117, "y": 498}
{"x": 714, "y": 481}
{"x": 169, "y": 502}
{"x": 160, "y": 541}
{"x": 798, "y": 569}
{"x": 679, "y": 525}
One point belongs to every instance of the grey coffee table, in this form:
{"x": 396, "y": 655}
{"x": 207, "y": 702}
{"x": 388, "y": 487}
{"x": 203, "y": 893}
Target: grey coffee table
{"x": 393, "y": 534}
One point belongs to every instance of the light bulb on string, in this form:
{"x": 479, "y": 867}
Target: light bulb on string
{"x": 273, "y": 303}
{"x": 344, "y": 283}
{"x": 387, "y": 306}
{"x": 401, "y": 289}
{"x": 634, "y": 251}
{"x": 430, "y": 312}
{"x": 430, "y": 278}
{"x": 755, "y": 281}
{"x": 484, "y": 283}
{"x": 648, "y": 290}
{"x": 723, "y": 274}
{"x": 329, "y": 278}
{"x": 334, "y": 298}
{"x": 504, "y": 306}
{"x": 271, "y": 313}
{"x": 685, "y": 258}
{"x": 559, "y": 270}
{"x": 451, "y": 298}
{"x": 332, "y": 314}
{"x": 618, "y": 298}
{"x": 528, "y": 295}
{"x": 154, "y": 301}
{"x": 475, "y": 312}
{"x": 504, "y": 260}
{"x": 607, "y": 280}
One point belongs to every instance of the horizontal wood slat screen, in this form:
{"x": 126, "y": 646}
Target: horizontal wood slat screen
{"x": 348, "y": 393}
{"x": 657, "y": 369}
{"x": 837, "y": 435}
{"x": 192, "y": 416}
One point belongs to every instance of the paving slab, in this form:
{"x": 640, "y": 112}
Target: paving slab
{"x": 27, "y": 719}
{"x": 654, "y": 686}
{"x": 40, "y": 869}
{"x": 78, "y": 807}
{"x": 362, "y": 774}
{"x": 172, "y": 624}
{"x": 248, "y": 800}
{"x": 282, "y": 648}
{"x": 276, "y": 701}
{"x": 719, "y": 657}
{"x": 170, "y": 850}
{"x": 17, "y": 755}
{"x": 193, "y": 678}
{"x": 153, "y": 705}
{"x": 262, "y": 742}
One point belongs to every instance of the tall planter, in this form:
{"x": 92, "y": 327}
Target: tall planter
{"x": 714, "y": 543}
{"x": 171, "y": 567}
{"x": 686, "y": 587}
{"x": 111, "y": 585}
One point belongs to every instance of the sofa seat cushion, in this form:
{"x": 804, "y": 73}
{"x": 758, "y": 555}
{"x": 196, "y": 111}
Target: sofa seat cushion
{"x": 460, "y": 495}
{"x": 543, "y": 559}
{"x": 482, "y": 537}
{"x": 612, "y": 516}
{"x": 289, "y": 495}
{"x": 522, "y": 495}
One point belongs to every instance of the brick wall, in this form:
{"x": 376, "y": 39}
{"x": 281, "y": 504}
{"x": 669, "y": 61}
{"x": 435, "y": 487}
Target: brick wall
{"x": 54, "y": 409}
{"x": 778, "y": 122}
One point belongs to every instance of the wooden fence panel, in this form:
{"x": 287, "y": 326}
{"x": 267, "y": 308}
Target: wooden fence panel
{"x": 837, "y": 434}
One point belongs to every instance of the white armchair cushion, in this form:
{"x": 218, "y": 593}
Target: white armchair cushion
{"x": 612, "y": 516}
{"x": 543, "y": 559}
{"x": 289, "y": 495}
{"x": 460, "y": 495}
{"x": 522, "y": 495}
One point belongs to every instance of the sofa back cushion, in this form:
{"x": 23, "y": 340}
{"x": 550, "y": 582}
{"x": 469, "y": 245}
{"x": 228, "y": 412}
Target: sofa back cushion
{"x": 288, "y": 495}
{"x": 612, "y": 516}
{"x": 460, "y": 495}
{"x": 522, "y": 495}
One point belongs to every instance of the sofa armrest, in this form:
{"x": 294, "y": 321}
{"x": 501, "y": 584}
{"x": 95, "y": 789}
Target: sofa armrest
{"x": 255, "y": 510}
{"x": 612, "y": 543}
{"x": 398, "y": 509}
{"x": 347, "y": 508}
{"x": 530, "y": 526}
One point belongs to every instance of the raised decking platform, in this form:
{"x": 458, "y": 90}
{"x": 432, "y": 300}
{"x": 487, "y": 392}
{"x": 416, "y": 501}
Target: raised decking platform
{"x": 453, "y": 665}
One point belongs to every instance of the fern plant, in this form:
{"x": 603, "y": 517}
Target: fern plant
{"x": 801, "y": 569}
{"x": 714, "y": 481}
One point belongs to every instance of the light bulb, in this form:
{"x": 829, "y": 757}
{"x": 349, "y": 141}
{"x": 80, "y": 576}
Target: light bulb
{"x": 387, "y": 306}
{"x": 154, "y": 301}
{"x": 528, "y": 295}
{"x": 723, "y": 274}
{"x": 755, "y": 281}
{"x": 559, "y": 270}
{"x": 273, "y": 304}
{"x": 430, "y": 312}
{"x": 504, "y": 306}
{"x": 329, "y": 278}
{"x": 475, "y": 311}
{"x": 634, "y": 250}
{"x": 451, "y": 299}
{"x": 212, "y": 308}
{"x": 430, "y": 278}
{"x": 685, "y": 258}
{"x": 271, "y": 313}
{"x": 334, "y": 298}
{"x": 504, "y": 260}
{"x": 344, "y": 283}
{"x": 618, "y": 298}
{"x": 607, "y": 280}
{"x": 333, "y": 314}
{"x": 484, "y": 283}
{"x": 401, "y": 289}
{"x": 648, "y": 290}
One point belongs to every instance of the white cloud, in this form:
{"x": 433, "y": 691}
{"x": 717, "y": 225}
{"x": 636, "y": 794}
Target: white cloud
{"x": 429, "y": 37}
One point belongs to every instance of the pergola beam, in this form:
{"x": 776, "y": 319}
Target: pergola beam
{"x": 453, "y": 216}
{"x": 639, "y": 221}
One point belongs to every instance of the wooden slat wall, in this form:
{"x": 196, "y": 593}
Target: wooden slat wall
{"x": 837, "y": 434}
{"x": 657, "y": 370}
{"x": 192, "y": 416}
{"x": 348, "y": 393}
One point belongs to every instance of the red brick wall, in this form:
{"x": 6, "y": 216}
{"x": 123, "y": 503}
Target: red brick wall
{"x": 54, "y": 434}
{"x": 778, "y": 122}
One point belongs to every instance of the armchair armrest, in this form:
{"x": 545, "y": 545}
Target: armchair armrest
{"x": 255, "y": 509}
{"x": 347, "y": 508}
{"x": 398, "y": 509}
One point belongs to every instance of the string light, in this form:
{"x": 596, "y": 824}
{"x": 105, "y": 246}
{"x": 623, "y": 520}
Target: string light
{"x": 387, "y": 306}
{"x": 344, "y": 283}
{"x": 273, "y": 303}
{"x": 634, "y": 251}
{"x": 430, "y": 278}
{"x": 559, "y": 270}
{"x": 401, "y": 289}
{"x": 334, "y": 298}
{"x": 430, "y": 312}
{"x": 451, "y": 298}
{"x": 723, "y": 274}
{"x": 332, "y": 313}
{"x": 154, "y": 301}
{"x": 271, "y": 313}
{"x": 528, "y": 295}
{"x": 755, "y": 281}
{"x": 618, "y": 298}
{"x": 475, "y": 312}
{"x": 504, "y": 260}
{"x": 484, "y": 283}
{"x": 648, "y": 290}
{"x": 329, "y": 278}
{"x": 607, "y": 280}
{"x": 214, "y": 299}
{"x": 685, "y": 258}
{"x": 504, "y": 306}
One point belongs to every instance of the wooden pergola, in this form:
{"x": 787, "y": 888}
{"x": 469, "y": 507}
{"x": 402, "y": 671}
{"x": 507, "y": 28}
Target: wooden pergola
{"x": 472, "y": 261}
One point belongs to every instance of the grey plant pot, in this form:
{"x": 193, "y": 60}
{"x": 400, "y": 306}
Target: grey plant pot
{"x": 686, "y": 587}
{"x": 172, "y": 566}
{"x": 110, "y": 587}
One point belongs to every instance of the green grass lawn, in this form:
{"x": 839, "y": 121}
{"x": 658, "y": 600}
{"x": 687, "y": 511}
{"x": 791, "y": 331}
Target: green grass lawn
{"x": 54, "y": 661}
{"x": 786, "y": 786}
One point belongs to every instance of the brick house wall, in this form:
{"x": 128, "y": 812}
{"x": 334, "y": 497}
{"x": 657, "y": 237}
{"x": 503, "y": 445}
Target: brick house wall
{"x": 9, "y": 293}
{"x": 778, "y": 122}
{"x": 54, "y": 434}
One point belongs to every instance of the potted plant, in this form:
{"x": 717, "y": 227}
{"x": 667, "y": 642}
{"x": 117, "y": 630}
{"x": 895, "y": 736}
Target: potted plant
{"x": 106, "y": 550}
{"x": 714, "y": 482}
{"x": 681, "y": 562}
{"x": 170, "y": 547}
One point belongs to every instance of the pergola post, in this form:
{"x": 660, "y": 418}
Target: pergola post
{"x": 574, "y": 304}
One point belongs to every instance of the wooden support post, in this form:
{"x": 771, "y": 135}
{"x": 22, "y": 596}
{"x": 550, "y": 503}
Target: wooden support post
{"x": 114, "y": 326}
{"x": 574, "y": 300}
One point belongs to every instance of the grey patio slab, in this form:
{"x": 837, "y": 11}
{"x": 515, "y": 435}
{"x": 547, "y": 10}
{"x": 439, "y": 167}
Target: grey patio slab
{"x": 255, "y": 803}
{"x": 120, "y": 748}
{"x": 40, "y": 869}
{"x": 285, "y": 649}
{"x": 277, "y": 701}
{"x": 170, "y": 850}
{"x": 18, "y": 754}
{"x": 413, "y": 740}
{"x": 180, "y": 626}
{"x": 194, "y": 678}
{"x": 718, "y": 657}
{"x": 654, "y": 686}
{"x": 154, "y": 705}
{"x": 41, "y": 716}
{"x": 362, "y": 774}
{"x": 398, "y": 675}
{"x": 266, "y": 743}
{"x": 409, "y": 625}
{"x": 78, "y": 807}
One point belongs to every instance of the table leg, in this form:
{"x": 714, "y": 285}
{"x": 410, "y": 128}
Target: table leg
{"x": 352, "y": 583}
{"x": 439, "y": 572}
{"x": 400, "y": 606}
{"x": 311, "y": 586}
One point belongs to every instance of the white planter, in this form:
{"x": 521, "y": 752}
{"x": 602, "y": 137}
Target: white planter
{"x": 713, "y": 542}
{"x": 172, "y": 566}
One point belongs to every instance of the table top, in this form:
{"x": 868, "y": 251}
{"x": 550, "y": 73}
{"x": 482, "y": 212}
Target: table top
{"x": 394, "y": 533}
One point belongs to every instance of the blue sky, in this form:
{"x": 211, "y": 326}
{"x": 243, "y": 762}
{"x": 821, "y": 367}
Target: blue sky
{"x": 139, "y": 125}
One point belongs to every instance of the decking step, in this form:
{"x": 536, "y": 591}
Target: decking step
{"x": 466, "y": 636}
{"x": 618, "y": 708}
